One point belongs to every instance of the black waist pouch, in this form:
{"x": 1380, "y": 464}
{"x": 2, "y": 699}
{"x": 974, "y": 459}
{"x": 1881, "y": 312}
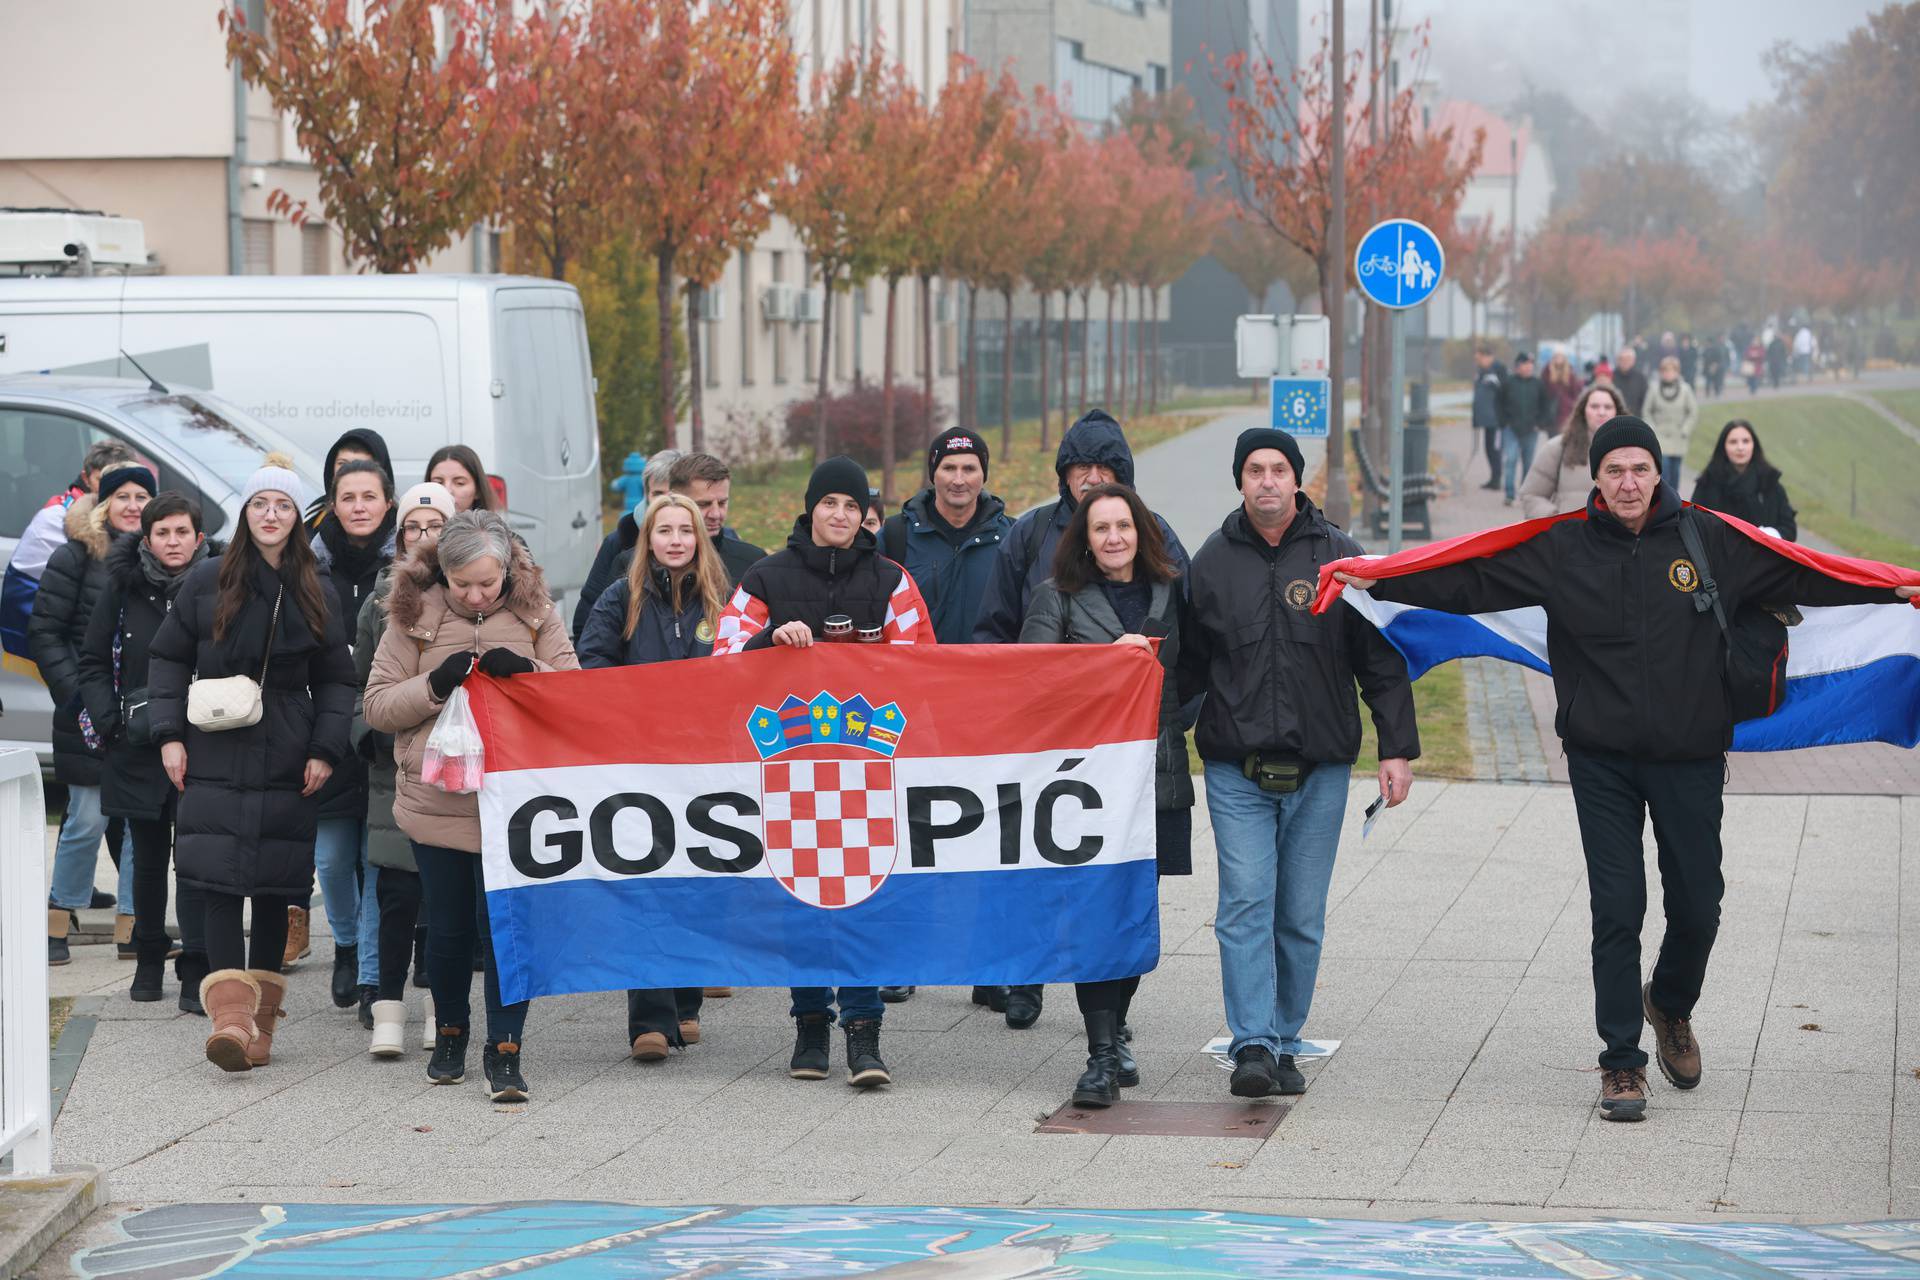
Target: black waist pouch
{"x": 1278, "y": 772}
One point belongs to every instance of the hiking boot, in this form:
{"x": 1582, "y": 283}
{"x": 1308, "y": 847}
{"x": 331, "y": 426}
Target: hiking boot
{"x": 1287, "y": 1080}
{"x": 897, "y": 995}
{"x": 59, "y": 920}
{"x": 1253, "y": 1069}
{"x": 865, "y": 1070}
{"x": 272, "y": 1008}
{"x": 1099, "y": 1085}
{"x": 1128, "y": 1070}
{"x": 299, "y": 937}
{"x": 1023, "y": 1006}
{"x": 367, "y": 996}
{"x": 504, "y": 1081}
{"x": 649, "y": 1046}
{"x": 994, "y": 998}
{"x": 810, "y": 1047}
{"x": 448, "y": 1065}
{"x": 1677, "y": 1052}
{"x": 346, "y": 976}
{"x": 1623, "y": 1093}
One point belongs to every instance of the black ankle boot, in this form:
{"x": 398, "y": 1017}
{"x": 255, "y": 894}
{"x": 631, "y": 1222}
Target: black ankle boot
{"x": 1128, "y": 1070}
{"x": 812, "y": 1032}
{"x": 346, "y": 977}
{"x": 149, "y": 973}
{"x": 1023, "y": 1006}
{"x": 190, "y": 968}
{"x": 1099, "y": 1086}
{"x": 865, "y": 1069}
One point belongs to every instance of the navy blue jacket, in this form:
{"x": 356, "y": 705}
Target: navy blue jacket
{"x": 952, "y": 579}
{"x": 661, "y": 635}
{"x": 1026, "y": 552}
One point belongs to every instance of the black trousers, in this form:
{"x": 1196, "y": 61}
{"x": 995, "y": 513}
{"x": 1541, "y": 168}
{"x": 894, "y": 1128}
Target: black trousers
{"x": 398, "y": 892}
{"x": 227, "y": 943}
{"x": 1492, "y": 435}
{"x": 152, "y": 851}
{"x": 662, "y": 1009}
{"x": 1114, "y": 994}
{"x": 1613, "y": 794}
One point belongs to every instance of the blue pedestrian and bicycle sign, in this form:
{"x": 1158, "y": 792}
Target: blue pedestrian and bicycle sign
{"x": 1399, "y": 263}
{"x": 1300, "y": 406}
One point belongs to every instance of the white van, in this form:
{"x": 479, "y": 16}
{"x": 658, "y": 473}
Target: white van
{"x": 498, "y": 363}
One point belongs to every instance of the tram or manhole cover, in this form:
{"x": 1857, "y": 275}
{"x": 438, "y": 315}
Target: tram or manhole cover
{"x": 1171, "y": 1119}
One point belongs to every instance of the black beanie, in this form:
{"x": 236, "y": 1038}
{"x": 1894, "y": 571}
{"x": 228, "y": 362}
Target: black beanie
{"x": 958, "y": 440}
{"x": 1623, "y": 432}
{"x": 1268, "y": 438}
{"x": 838, "y": 474}
{"x": 127, "y": 473}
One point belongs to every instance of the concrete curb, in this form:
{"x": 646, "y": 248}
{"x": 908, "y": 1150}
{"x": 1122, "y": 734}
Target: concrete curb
{"x": 36, "y": 1212}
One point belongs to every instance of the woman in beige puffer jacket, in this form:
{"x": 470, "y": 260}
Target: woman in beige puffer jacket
{"x": 474, "y": 599}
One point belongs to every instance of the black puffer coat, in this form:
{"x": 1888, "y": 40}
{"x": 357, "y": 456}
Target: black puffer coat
{"x": 138, "y": 596}
{"x": 387, "y": 844}
{"x": 242, "y": 826}
{"x": 354, "y": 571}
{"x": 1755, "y": 495}
{"x": 70, "y": 586}
{"x": 810, "y": 583}
{"x": 659, "y": 635}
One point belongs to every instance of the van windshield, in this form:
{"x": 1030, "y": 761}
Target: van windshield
{"x": 201, "y": 433}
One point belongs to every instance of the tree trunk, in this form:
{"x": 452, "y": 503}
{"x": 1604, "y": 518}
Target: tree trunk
{"x": 1121, "y": 379}
{"x": 1142, "y": 335}
{"x": 926, "y": 358}
{"x": 1339, "y": 502}
{"x": 1086, "y": 343}
{"x": 1253, "y": 384}
{"x": 826, "y": 357}
{"x": 970, "y": 388}
{"x": 1153, "y": 392}
{"x": 1066, "y": 337}
{"x": 663, "y": 256}
{"x": 1106, "y": 358}
{"x": 886, "y": 396}
{"x": 1043, "y": 369}
{"x": 697, "y": 433}
{"x": 1006, "y": 374}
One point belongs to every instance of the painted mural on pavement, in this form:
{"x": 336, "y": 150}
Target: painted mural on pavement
{"x": 575, "y": 1240}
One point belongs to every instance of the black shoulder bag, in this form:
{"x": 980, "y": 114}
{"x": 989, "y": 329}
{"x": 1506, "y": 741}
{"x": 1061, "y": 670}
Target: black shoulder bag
{"x": 1756, "y": 659}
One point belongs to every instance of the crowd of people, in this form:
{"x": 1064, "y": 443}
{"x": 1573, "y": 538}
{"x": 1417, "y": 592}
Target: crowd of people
{"x": 256, "y": 714}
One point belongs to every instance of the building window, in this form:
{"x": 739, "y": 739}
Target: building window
{"x": 1157, "y": 78}
{"x": 256, "y": 247}
{"x": 747, "y": 317}
{"x": 1094, "y": 91}
{"x": 1135, "y": 7}
{"x": 315, "y": 258}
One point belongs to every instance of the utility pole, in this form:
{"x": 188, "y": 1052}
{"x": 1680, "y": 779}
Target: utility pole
{"x": 1513, "y": 226}
{"x": 1337, "y": 508}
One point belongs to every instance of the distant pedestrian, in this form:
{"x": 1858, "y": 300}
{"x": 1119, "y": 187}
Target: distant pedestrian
{"x": 1560, "y": 479}
{"x": 1689, "y": 359}
{"x": 1805, "y": 349}
{"x": 1672, "y": 410}
{"x": 1739, "y": 481}
{"x": 1488, "y": 378}
{"x": 1525, "y": 408}
{"x": 1630, "y": 380}
{"x": 1713, "y": 366}
{"x": 1278, "y": 734}
{"x": 1113, "y": 583}
{"x": 1776, "y": 361}
{"x": 631, "y": 483}
{"x": 1646, "y": 716}
{"x": 1753, "y": 366}
{"x": 1563, "y": 388}
{"x": 247, "y": 814}
{"x": 473, "y": 600}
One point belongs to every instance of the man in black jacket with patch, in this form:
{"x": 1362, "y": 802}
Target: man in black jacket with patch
{"x": 1278, "y": 734}
{"x": 1646, "y": 716}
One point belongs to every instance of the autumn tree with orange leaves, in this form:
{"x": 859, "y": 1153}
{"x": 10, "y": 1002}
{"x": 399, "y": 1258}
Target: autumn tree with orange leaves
{"x": 397, "y": 108}
{"x": 1477, "y": 258}
{"x": 560, "y": 187}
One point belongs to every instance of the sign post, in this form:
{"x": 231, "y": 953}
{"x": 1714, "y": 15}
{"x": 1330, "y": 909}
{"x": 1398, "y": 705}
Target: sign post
{"x": 1399, "y": 263}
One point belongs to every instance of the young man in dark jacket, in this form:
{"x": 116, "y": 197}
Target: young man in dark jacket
{"x": 1489, "y": 375}
{"x": 1526, "y": 406}
{"x": 1644, "y": 711}
{"x": 1278, "y": 734}
{"x": 948, "y": 535}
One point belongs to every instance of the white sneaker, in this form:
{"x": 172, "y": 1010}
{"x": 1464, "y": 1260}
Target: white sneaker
{"x": 389, "y": 1029}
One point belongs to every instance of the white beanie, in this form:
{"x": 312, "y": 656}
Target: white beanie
{"x": 427, "y": 494}
{"x": 275, "y": 475}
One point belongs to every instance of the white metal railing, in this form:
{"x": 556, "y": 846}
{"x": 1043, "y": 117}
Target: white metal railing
{"x": 26, "y": 1102}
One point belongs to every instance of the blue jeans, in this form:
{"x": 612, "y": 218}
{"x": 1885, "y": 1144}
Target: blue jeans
{"x": 77, "y": 854}
{"x": 1670, "y": 471}
{"x": 855, "y": 1002}
{"x": 339, "y": 847}
{"x": 1516, "y": 456}
{"x": 456, "y": 901}
{"x": 1276, "y": 860}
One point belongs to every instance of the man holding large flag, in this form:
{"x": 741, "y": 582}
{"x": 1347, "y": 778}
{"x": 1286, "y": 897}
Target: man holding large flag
{"x": 1645, "y": 708}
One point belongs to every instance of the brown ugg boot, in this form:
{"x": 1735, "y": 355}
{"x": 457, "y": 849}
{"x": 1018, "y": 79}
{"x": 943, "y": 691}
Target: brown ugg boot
{"x": 231, "y": 997}
{"x": 273, "y": 999}
{"x": 299, "y": 937}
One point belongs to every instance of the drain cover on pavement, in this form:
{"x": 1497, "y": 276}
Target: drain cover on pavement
{"x": 1171, "y": 1119}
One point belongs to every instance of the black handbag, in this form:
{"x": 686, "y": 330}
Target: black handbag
{"x": 1756, "y": 660}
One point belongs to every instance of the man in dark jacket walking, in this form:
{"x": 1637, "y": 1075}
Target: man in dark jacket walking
{"x": 1644, "y": 710}
{"x": 1631, "y": 379}
{"x": 1278, "y": 733}
{"x": 948, "y": 535}
{"x": 1489, "y": 375}
{"x": 1525, "y": 407}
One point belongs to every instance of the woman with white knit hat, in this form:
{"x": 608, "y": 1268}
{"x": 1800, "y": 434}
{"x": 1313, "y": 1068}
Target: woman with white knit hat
{"x": 247, "y": 815}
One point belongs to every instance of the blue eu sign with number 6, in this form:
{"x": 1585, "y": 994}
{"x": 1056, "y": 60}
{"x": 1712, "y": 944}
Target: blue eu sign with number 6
{"x": 1300, "y": 406}
{"x": 1399, "y": 263}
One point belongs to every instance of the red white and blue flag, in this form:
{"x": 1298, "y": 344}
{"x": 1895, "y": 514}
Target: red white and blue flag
{"x": 1853, "y": 672}
{"x": 840, "y": 815}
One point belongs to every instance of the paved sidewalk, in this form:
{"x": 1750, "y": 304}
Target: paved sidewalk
{"x": 1455, "y": 976}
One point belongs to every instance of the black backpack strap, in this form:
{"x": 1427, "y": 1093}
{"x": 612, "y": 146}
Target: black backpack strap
{"x": 1707, "y": 595}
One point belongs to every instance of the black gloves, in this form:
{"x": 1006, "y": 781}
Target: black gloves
{"x": 446, "y": 677}
{"x": 502, "y": 663}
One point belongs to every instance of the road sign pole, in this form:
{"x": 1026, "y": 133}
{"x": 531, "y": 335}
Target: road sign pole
{"x": 1396, "y": 428}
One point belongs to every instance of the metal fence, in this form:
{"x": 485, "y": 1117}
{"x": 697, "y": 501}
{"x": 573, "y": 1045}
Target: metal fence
{"x": 26, "y": 1103}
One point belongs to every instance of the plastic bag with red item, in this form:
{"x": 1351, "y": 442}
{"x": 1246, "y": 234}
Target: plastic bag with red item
{"x": 455, "y": 759}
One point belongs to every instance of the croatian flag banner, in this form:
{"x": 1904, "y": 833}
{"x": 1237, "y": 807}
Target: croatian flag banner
{"x": 841, "y": 815}
{"x": 1853, "y": 673}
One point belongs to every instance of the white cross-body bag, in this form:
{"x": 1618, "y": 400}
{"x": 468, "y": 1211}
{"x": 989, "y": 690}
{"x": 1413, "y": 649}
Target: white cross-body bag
{"x": 233, "y": 702}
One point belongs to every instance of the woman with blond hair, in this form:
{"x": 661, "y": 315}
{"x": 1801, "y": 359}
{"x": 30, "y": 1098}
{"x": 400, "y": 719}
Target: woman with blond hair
{"x": 663, "y": 610}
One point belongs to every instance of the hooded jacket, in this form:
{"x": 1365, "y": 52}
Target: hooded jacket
{"x": 661, "y": 634}
{"x": 364, "y": 439}
{"x": 354, "y": 569}
{"x": 1487, "y": 383}
{"x": 70, "y": 586}
{"x": 426, "y": 625}
{"x": 1026, "y": 551}
{"x": 1279, "y": 677}
{"x": 241, "y": 826}
{"x": 1637, "y": 668}
{"x": 952, "y": 576}
{"x": 138, "y": 595}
